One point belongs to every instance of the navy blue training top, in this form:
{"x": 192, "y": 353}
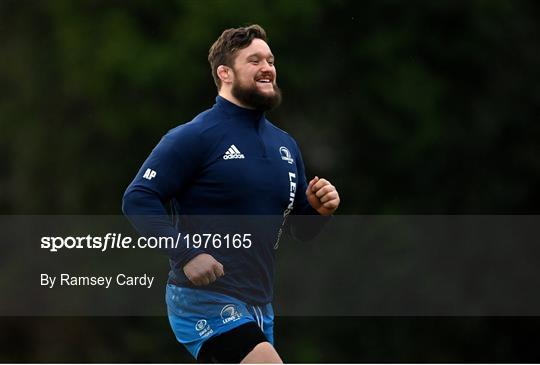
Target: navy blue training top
{"x": 227, "y": 161}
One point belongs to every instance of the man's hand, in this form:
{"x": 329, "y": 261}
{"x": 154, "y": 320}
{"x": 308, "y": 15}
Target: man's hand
{"x": 322, "y": 196}
{"x": 203, "y": 269}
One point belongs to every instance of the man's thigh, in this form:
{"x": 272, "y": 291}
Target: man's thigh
{"x": 245, "y": 343}
{"x": 265, "y": 353}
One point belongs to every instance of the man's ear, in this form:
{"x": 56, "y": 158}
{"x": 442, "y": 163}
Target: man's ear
{"x": 225, "y": 74}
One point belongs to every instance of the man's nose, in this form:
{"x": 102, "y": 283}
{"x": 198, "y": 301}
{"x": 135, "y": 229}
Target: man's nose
{"x": 266, "y": 66}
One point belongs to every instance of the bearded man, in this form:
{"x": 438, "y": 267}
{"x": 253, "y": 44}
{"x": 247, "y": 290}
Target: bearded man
{"x": 229, "y": 160}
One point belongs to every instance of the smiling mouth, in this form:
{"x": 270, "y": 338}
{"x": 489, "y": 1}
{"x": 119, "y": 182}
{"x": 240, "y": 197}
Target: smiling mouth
{"x": 265, "y": 79}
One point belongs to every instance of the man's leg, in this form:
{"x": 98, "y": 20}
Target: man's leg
{"x": 263, "y": 353}
{"x": 245, "y": 343}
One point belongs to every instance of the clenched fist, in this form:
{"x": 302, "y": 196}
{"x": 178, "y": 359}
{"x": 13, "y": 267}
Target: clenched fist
{"x": 322, "y": 196}
{"x": 203, "y": 269}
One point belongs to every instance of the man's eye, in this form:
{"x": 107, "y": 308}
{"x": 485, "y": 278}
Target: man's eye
{"x": 254, "y": 62}
{"x": 271, "y": 63}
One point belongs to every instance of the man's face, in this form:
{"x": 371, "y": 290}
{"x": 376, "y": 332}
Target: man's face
{"x": 255, "y": 77}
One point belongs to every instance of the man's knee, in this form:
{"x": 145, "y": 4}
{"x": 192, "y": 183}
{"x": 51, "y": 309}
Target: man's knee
{"x": 263, "y": 353}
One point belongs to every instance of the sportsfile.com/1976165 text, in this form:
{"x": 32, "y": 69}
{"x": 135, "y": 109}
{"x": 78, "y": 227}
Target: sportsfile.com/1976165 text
{"x": 120, "y": 241}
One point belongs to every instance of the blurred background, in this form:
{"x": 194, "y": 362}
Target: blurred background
{"x": 407, "y": 107}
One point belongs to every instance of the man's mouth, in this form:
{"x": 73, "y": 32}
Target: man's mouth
{"x": 264, "y": 80}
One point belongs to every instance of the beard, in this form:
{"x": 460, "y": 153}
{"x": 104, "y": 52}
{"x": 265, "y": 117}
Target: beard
{"x": 251, "y": 96}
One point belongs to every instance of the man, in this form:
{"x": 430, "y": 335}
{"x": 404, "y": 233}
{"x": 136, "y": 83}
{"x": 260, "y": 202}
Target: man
{"x": 229, "y": 160}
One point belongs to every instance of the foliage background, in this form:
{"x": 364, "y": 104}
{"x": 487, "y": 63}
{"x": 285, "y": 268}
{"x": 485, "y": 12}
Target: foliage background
{"x": 408, "y": 107}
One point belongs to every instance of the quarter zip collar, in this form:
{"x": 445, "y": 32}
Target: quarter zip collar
{"x": 239, "y": 113}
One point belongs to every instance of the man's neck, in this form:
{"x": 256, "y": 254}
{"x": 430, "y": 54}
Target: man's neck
{"x": 226, "y": 94}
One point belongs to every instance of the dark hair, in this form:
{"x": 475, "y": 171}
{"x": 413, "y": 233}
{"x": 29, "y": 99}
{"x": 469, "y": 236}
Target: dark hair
{"x": 229, "y": 42}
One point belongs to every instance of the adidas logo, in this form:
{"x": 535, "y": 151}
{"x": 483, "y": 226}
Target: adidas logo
{"x": 233, "y": 153}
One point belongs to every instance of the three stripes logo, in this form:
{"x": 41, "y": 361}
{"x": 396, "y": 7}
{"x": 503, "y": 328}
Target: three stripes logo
{"x": 233, "y": 153}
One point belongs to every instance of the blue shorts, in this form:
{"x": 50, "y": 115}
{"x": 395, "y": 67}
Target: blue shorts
{"x": 196, "y": 315}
